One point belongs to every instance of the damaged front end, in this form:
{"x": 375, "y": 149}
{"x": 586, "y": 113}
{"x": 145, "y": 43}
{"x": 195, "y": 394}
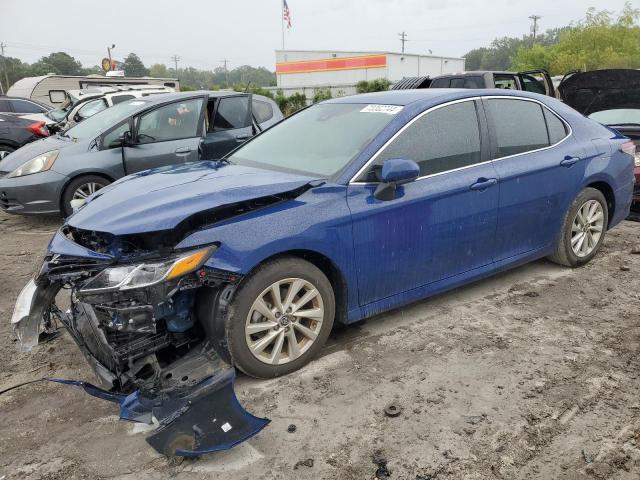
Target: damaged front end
{"x": 150, "y": 324}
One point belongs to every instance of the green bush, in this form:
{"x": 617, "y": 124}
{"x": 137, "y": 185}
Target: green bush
{"x": 321, "y": 94}
{"x": 377, "y": 85}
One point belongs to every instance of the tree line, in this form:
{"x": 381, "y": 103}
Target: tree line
{"x": 601, "y": 40}
{"x": 62, "y": 63}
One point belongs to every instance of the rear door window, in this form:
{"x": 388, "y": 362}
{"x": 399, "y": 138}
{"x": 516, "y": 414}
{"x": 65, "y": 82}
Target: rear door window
{"x": 533, "y": 84}
{"x": 457, "y": 83}
{"x": 233, "y": 112}
{"x": 507, "y": 82}
{"x": 519, "y": 126}
{"x": 4, "y": 106}
{"x": 22, "y": 106}
{"x": 440, "y": 83}
{"x": 445, "y": 139}
{"x": 473, "y": 82}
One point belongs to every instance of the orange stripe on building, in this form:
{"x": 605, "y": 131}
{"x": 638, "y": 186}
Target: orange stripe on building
{"x": 331, "y": 64}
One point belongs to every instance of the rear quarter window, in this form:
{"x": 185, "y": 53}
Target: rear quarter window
{"x": 557, "y": 128}
{"x": 262, "y": 111}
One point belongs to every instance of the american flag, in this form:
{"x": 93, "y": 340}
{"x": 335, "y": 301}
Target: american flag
{"x": 286, "y": 14}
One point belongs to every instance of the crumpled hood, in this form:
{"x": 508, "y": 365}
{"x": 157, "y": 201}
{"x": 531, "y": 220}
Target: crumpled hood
{"x": 33, "y": 149}
{"x": 161, "y": 198}
{"x": 599, "y": 90}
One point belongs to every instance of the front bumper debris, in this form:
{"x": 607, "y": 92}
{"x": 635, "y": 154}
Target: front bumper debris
{"x": 159, "y": 359}
{"x": 203, "y": 419}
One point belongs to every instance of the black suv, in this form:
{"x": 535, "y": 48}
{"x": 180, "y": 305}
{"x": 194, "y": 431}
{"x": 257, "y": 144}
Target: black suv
{"x": 537, "y": 81}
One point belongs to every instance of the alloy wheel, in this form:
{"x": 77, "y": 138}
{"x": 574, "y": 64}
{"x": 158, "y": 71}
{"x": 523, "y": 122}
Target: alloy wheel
{"x": 86, "y": 189}
{"x": 587, "y": 228}
{"x": 284, "y": 321}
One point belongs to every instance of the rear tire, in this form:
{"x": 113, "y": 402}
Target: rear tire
{"x": 583, "y": 229}
{"x": 84, "y": 185}
{"x": 292, "y": 328}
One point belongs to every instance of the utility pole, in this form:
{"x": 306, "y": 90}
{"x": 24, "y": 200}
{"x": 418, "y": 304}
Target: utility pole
{"x": 176, "y": 59}
{"x": 403, "y": 39}
{"x": 4, "y": 67}
{"x": 226, "y": 72}
{"x": 534, "y": 27}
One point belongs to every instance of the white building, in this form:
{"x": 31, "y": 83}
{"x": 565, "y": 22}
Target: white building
{"x": 305, "y": 71}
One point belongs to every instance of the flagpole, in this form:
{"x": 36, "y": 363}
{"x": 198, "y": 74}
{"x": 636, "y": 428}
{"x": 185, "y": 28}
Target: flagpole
{"x": 282, "y": 21}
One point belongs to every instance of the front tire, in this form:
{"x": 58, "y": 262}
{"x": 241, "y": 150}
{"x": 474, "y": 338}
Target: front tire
{"x": 79, "y": 189}
{"x": 583, "y": 229}
{"x": 280, "y": 318}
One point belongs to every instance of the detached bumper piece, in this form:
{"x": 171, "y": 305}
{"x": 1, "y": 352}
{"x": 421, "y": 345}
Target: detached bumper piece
{"x": 193, "y": 421}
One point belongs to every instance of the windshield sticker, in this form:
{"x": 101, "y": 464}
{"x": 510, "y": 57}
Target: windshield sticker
{"x": 136, "y": 103}
{"x": 388, "y": 109}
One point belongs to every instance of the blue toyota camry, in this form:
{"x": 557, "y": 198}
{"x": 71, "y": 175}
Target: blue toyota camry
{"x": 349, "y": 208}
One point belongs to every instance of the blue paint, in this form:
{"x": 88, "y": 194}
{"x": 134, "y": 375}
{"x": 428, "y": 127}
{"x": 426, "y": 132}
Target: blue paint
{"x": 437, "y": 233}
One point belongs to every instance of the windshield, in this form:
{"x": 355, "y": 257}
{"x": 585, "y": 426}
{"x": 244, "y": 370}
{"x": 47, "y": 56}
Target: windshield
{"x": 618, "y": 116}
{"x": 95, "y": 125}
{"x": 321, "y": 140}
{"x": 59, "y": 113}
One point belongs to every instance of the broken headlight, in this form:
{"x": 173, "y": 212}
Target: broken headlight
{"x": 139, "y": 275}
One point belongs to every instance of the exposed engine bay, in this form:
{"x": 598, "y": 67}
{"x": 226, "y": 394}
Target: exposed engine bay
{"x": 151, "y": 328}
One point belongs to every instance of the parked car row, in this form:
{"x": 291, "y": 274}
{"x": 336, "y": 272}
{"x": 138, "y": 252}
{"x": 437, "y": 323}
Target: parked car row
{"x": 151, "y": 131}
{"x": 180, "y": 273}
{"x": 16, "y": 132}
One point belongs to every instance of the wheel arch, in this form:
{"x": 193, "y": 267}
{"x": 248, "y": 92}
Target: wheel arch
{"x": 326, "y": 266}
{"x": 609, "y": 195}
{"x": 107, "y": 177}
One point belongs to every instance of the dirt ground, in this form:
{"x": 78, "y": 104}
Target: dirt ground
{"x": 533, "y": 374}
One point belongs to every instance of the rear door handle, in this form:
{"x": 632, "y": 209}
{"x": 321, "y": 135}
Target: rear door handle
{"x": 242, "y": 137}
{"x": 484, "y": 183}
{"x": 569, "y": 161}
{"x": 183, "y": 150}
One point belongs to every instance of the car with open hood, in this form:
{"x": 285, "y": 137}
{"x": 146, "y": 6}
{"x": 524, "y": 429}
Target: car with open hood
{"x": 347, "y": 209}
{"x": 611, "y": 97}
{"x": 47, "y": 176}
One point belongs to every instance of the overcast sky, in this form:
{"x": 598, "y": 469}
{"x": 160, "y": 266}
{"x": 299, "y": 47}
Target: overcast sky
{"x": 203, "y": 32}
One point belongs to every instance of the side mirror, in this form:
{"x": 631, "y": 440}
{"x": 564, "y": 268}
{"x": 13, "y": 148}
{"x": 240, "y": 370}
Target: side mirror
{"x": 395, "y": 171}
{"x": 124, "y": 140}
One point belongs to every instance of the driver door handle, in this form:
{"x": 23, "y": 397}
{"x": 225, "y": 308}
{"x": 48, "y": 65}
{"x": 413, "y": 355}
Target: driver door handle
{"x": 183, "y": 150}
{"x": 242, "y": 137}
{"x": 484, "y": 183}
{"x": 569, "y": 161}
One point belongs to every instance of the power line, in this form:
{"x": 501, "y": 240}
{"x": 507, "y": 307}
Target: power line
{"x": 535, "y": 19}
{"x": 403, "y": 39}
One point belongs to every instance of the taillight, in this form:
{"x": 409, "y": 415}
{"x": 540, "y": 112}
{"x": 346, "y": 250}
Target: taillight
{"x": 39, "y": 128}
{"x": 630, "y": 148}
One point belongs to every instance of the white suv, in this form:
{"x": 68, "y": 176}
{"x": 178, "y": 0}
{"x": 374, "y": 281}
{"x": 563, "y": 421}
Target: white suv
{"x": 84, "y": 103}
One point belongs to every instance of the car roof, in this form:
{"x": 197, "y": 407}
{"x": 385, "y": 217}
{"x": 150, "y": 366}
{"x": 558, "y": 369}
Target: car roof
{"x": 429, "y": 96}
{"x": 10, "y": 97}
{"x": 167, "y": 97}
